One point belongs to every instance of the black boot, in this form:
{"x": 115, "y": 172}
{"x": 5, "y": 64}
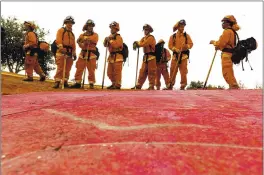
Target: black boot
{"x": 42, "y": 78}
{"x": 136, "y": 87}
{"x": 56, "y": 85}
{"x": 66, "y": 85}
{"x": 110, "y": 87}
{"x": 182, "y": 88}
{"x": 91, "y": 86}
{"x": 76, "y": 85}
{"x": 151, "y": 88}
{"x": 28, "y": 79}
{"x": 116, "y": 87}
{"x": 168, "y": 88}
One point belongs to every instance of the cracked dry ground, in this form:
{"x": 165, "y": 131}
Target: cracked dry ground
{"x": 133, "y": 132}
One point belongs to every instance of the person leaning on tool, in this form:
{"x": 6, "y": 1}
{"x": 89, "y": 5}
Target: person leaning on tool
{"x": 31, "y": 55}
{"x": 162, "y": 66}
{"x": 179, "y": 44}
{"x": 87, "y": 58}
{"x": 226, "y": 43}
{"x": 66, "y": 50}
{"x": 148, "y": 67}
{"x": 114, "y": 42}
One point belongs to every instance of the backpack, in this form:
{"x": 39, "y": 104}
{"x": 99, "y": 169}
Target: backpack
{"x": 124, "y": 51}
{"x": 97, "y": 53}
{"x": 42, "y": 49}
{"x": 242, "y": 49}
{"x": 187, "y": 52}
{"x": 54, "y": 44}
{"x": 158, "y": 52}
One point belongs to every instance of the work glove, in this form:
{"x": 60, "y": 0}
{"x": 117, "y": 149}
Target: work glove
{"x": 87, "y": 41}
{"x": 212, "y": 42}
{"x": 25, "y": 46}
{"x": 176, "y": 50}
{"x": 62, "y": 50}
{"x": 135, "y": 45}
{"x": 82, "y": 46}
{"x": 217, "y": 48}
{"x": 106, "y": 41}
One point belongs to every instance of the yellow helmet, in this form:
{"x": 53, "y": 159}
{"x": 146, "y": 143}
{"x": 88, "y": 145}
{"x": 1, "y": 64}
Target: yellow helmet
{"x": 230, "y": 18}
{"x": 115, "y": 25}
{"x": 147, "y": 26}
{"x": 161, "y": 41}
{"x": 175, "y": 27}
{"x": 30, "y": 24}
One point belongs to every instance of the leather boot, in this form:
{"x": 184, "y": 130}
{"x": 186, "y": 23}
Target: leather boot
{"x": 136, "y": 87}
{"x": 91, "y": 86}
{"x": 28, "y": 79}
{"x": 56, "y": 85}
{"x": 76, "y": 85}
{"x": 42, "y": 78}
{"x": 110, "y": 87}
{"x": 66, "y": 85}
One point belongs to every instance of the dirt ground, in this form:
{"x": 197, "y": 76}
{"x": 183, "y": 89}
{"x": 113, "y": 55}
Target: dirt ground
{"x": 12, "y": 84}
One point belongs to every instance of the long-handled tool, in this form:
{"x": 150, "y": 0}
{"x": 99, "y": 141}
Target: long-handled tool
{"x": 137, "y": 67}
{"x": 85, "y": 69}
{"x": 104, "y": 68}
{"x": 63, "y": 76}
{"x": 209, "y": 70}
{"x": 177, "y": 63}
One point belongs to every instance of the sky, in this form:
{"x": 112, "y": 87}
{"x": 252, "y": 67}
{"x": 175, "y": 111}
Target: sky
{"x": 203, "y": 21}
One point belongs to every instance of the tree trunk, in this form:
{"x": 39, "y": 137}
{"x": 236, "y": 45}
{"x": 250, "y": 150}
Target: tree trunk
{"x": 10, "y": 66}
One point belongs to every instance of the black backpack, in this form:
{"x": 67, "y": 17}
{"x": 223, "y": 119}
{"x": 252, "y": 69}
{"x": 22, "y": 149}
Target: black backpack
{"x": 41, "y": 53}
{"x": 159, "y": 49}
{"x": 242, "y": 49}
{"x": 97, "y": 53}
{"x": 54, "y": 45}
{"x": 124, "y": 51}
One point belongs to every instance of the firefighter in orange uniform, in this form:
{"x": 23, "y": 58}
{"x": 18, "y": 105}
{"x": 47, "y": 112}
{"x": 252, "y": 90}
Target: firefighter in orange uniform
{"x": 65, "y": 41}
{"x": 87, "y": 58}
{"x": 162, "y": 65}
{"x": 31, "y": 55}
{"x": 149, "y": 67}
{"x": 114, "y": 42}
{"x": 179, "y": 44}
{"x": 226, "y": 43}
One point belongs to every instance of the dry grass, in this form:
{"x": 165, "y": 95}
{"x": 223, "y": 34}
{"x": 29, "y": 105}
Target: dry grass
{"x": 13, "y": 84}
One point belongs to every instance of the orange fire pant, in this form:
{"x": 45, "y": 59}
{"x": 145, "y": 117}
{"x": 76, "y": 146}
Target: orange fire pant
{"x": 81, "y": 65}
{"x": 183, "y": 71}
{"x": 60, "y": 63}
{"x": 162, "y": 70}
{"x": 31, "y": 63}
{"x": 227, "y": 70}
{"x": 114, "y": 73}
{"x": 147, "y": 70}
